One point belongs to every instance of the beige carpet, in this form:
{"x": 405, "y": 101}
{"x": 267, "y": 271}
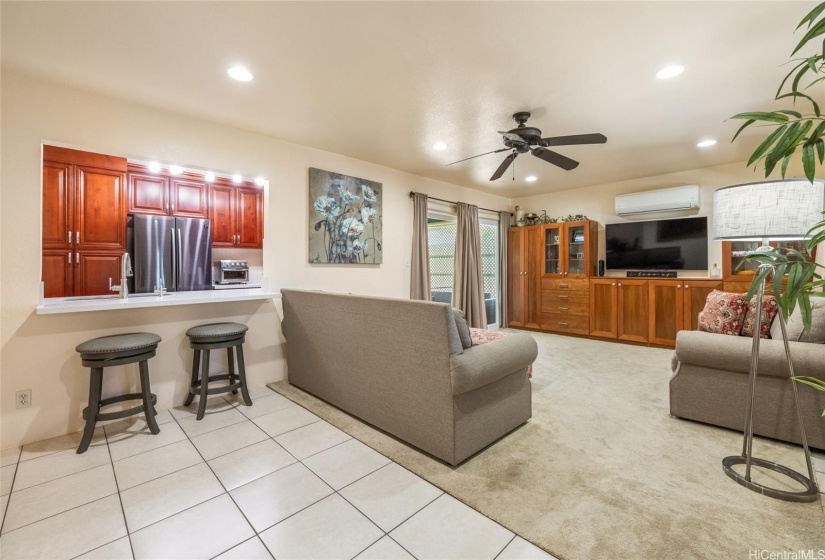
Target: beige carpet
{"x": 603, "y": 471}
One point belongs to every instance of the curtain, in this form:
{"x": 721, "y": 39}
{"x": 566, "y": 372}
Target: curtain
{"x": 468, "y": 292}
{"x": 420, "y": 265}
{"x": 503, "y": 233}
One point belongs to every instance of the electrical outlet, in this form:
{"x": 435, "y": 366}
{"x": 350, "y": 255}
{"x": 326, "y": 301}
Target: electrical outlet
{"x": 24, "y": 399}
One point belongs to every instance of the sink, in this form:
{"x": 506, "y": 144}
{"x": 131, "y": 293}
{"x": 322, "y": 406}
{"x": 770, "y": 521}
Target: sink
{"x": 113, "y": 296}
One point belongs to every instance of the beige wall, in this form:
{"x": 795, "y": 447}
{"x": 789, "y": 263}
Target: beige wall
{"x": 597, "y": 202}
{"x": 38, "y": 351}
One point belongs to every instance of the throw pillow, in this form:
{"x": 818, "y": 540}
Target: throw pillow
{"x": 796, "y": 331}
{"x": 769, "y": 310}
{"x": 463, "y": 328}
{"x": 724, "y": 313}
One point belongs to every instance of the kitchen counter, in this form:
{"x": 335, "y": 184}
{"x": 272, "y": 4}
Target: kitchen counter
{"x": 134, "y": 301}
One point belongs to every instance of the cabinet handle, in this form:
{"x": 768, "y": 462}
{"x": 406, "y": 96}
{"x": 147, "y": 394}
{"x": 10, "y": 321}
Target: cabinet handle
{"x": 563, "y": 285}
{"x": 70, "y": 238}
{"x": 563, "y": 324}
{"x": 563, "y": 297}
{"x": 678, "y": 285}
{"x": 620, "y": 284}
{"x": 70, "y": 258}
{"x": 687, "y": 287}
{"x": 563, "y": 308}
{"x": 613, "y": 284}
{"x": 77, "y": 237}
{"x": 77, "y": 258}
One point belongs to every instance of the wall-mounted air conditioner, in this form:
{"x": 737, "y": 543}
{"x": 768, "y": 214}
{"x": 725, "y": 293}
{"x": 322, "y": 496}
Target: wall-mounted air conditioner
{"x": 662, "y": 200}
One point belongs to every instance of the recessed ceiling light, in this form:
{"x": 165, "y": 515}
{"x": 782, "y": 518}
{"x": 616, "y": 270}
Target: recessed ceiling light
{"x": 670, "y": 71}
{"x": 209, "y": 176}
{"x": 154, "y": 166}
{"x": 240, "y": 73}
{"x": 531, "y": 178}
{"x": 439, "y": 146}
{"x": 175, "y": 169}
{"x": 236, "y": 179}
{"x": 260, "y": 181}
{"x": 706, "y": 143}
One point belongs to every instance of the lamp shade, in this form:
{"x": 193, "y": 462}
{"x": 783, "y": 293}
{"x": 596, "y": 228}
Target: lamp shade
{"x": 768, "y": 209}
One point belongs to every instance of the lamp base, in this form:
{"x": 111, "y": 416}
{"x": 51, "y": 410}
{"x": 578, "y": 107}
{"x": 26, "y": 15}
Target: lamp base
{"x": 809, "y": 494}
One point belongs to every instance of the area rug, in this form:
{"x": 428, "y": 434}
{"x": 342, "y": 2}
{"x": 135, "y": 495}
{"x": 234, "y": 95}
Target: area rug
{"x": 601, "y": 470}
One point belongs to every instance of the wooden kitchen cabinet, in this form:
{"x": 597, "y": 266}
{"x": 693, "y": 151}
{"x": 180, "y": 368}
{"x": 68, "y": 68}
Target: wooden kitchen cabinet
{"x": 524, "y": 270}
{"x": 604, "y": 308}
{"x": 666, "y": 311}
{"x": 84, "y": 213}
{"x": 632, "y": 310}
{"x": 695, "y": 295}
{"x": 164, "y": 195}
{"x": 237, "y": 216}
{"x": 92, "y": 272}
{"x": 569, "y": 249}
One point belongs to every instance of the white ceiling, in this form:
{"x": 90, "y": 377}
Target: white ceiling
{"x": 383, "y": 81}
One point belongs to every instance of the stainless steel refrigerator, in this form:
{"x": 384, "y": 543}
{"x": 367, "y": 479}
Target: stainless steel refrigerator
{"x": 171, "y": 253}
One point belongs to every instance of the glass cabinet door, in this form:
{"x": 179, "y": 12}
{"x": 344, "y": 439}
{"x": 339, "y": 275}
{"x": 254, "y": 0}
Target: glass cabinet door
{"x": 577, "y": 249}
{"x": 738, "y": 251}
{"x": 552, "y": 250}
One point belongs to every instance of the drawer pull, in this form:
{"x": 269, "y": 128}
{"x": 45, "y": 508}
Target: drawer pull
{"x": 563, "y": 297}
{"x": 563, "y": 324}
{"x": 563, "y": 308}
{"x": 563, "y": 285}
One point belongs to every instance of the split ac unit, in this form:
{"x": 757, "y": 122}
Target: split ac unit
{"x": 662, "y": 200}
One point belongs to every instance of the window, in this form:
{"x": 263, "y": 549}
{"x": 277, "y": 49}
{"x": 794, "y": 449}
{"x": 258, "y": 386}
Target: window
{"x": 441, "y": 235}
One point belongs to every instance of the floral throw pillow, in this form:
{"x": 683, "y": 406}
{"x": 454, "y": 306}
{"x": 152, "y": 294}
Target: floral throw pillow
{"x": 769, "y": 310}
{"x": 724, "y": 313}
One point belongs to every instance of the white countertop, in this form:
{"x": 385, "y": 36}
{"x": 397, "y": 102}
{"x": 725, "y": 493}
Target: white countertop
{"x": 106, "y": 303}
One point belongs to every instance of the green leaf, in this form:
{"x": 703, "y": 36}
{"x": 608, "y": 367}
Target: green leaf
{"x": 808, "y": 163}
{"x": 820, "y": 150}
{"x": 743, "y": 127}
{"x": 788, "y": 75}
{"x": 812, "y": 62}
{"x": 812, "y": 15}
{"x": 785, "y": 161}
{"x": 795, "y": 94}
{"x": 798, "y": 77}
{"x": 763, "y": 116}
{"x": 805, "y": 311}
{"x": 777, "y": 152}
{"x": 815, "y": 82}
{"x": 814, "y": 31}
{"x": 796, "y": 114}
{"x": 763, "y": 147}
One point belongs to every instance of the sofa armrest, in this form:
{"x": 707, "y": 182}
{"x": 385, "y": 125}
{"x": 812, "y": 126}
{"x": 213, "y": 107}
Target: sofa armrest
{"x": 733, "y": 353}
{"x": 481, "y": 365}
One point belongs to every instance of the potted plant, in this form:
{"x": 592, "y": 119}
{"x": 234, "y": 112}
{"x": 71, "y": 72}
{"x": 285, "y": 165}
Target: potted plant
{"x": 793, "y": 133}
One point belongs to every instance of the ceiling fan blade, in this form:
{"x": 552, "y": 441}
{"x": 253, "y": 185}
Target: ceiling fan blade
{"x": 574, "y": 140}
{"x": 556, "y": 159}
{"x": 479, "y": 155}
{"x": 504, "y": 165}
{"x": 512, "y": 137}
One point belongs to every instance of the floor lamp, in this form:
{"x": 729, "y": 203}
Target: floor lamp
{"x": 763, "y": 211}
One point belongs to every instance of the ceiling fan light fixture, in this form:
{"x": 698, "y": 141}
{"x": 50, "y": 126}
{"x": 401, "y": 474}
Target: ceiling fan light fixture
{"x": 670, "y": 71}
{"x": 706, "y": 143}
{"x": 531, "y": 178}
{"x": 240, "y": 73}
{"x": 439, "y": 146}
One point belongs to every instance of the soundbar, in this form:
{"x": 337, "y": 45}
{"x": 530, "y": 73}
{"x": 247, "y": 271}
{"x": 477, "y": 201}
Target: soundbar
{"x": 651, "y": 274}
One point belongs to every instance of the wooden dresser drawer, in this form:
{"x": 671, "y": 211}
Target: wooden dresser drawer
{"x": 567, "y": 308}
{"x": 557, "y": 322}
{"x": 556, "y": 297}
{"x": 559, "y": 284}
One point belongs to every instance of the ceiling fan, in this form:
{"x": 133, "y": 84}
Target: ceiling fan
{"x": 523, "y": 139}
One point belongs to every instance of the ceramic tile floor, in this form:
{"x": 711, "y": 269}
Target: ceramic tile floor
{"x": 268, "y": 481}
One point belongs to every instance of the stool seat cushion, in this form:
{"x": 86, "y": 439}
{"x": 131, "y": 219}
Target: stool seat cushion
{"x": 217, "y": 331}
{"x": 118, "y": 343}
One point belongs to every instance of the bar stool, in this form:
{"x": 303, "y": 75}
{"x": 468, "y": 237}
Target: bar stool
{"x": 211, "y": 337}
{"x": 116, "y": 350}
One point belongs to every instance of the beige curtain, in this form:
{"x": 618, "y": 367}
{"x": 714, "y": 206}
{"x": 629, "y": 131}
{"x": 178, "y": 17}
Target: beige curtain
{"x": 468, "y": 293}
{"x": 420, "y": 265}
{"x": 503, "y": 233}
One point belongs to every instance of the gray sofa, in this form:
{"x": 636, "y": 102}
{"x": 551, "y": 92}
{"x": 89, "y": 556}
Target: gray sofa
{"x": 710, "y": 384}
{"x": 400, "y": 366}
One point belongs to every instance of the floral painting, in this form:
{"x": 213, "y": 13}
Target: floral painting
{"x": 345, "y": 219}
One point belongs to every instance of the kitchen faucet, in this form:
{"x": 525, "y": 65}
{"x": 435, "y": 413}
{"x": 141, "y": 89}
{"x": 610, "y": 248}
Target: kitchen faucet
{"x": 125, "y": 272}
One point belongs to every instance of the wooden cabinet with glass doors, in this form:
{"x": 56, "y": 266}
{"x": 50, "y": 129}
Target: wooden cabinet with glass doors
{"x": 738, "y": 274}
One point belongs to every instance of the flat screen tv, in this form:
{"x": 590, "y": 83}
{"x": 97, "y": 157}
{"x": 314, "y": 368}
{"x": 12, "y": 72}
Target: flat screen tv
{"x": 678, "y": 244}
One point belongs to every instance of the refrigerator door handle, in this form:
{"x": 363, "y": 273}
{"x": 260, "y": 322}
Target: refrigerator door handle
{"x": 174, "y": 261}
{"x": 180, "y": 255}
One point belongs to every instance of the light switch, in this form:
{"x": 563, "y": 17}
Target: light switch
{"x": 407, "y": 262}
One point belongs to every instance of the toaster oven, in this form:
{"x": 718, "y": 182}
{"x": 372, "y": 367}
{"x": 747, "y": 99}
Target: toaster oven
{"x": 231, "y": 272}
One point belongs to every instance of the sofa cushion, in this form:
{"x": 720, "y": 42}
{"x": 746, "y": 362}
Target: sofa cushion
{"x": 484, "y": 364}
{"x": 463, "y": 328}
{"x": 724, "y": 313}
{"x": 796, "y": 331}
{"x": 769, "y": 310}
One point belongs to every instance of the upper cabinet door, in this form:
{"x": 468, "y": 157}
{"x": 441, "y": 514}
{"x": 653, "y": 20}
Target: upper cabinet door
{"x": 148, "y": 194}
{"x": 577, "y": 237}
{"x": 100, "y": 208}
{"x": 188, "y": 199}
{"x": 553, "y": 258}
{"x": 250, "y": 218}
{"x": 58, "y": 226}
{"x": 222, "y": 214}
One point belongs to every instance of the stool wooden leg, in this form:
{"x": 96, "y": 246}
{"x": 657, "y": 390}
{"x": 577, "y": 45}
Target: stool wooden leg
{"x": 95, "y": 392}
{"x": 242, "y": 371}
{"x": 146, "y": 391}
{"x": 194, "y": 381}
{"x": 204, "y": 385}
{"x": 230, "y": 360}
